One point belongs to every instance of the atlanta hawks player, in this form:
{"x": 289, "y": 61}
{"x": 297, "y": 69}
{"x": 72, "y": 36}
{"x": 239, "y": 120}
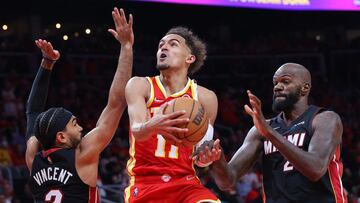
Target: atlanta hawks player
{"x": 160, "y": 171}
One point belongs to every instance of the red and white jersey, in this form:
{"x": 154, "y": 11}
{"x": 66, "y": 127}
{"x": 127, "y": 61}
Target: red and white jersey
{"x": 156, "y": 156}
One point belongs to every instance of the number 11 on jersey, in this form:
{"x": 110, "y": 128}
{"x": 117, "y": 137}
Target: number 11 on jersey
{"x": 160, "y": 149}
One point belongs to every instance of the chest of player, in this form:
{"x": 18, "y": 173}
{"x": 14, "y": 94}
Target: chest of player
{"x": 298, "y": 132}
{"x": 299, "y": 136}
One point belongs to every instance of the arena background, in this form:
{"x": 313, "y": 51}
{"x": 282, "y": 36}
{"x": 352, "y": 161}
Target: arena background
{"x": 245, "y": 47}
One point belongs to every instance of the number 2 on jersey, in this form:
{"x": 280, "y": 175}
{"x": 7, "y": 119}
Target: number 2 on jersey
{"x": 288, "y": 166}
{"x": 57, "y": 194}
{"x": 160, "y": 149}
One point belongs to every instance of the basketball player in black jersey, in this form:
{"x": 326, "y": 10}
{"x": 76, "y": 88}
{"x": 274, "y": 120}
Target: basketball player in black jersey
{"x": 66, "y": 170}
{"x": 300, "y": 147}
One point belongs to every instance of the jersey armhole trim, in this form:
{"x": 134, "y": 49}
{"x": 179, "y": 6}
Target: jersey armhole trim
{"x": 151, "y": 97}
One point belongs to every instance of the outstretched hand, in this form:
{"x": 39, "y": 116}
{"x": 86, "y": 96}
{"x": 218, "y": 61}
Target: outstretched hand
{"x": 123, "y": 29}
{"x": 207, "y": 153}
{"x": 257, "y": 115}
{"x": 47, "y": 50}
{"x": 168, "y": 124}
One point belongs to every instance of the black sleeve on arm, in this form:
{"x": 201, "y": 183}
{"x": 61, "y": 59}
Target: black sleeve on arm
{"x": 37, "y": 99}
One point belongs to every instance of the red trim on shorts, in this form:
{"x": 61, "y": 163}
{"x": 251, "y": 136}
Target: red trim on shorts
{"x": 335, "y": 172}
{"x": 263, "y": 194}
{"x": 93, "y": 195}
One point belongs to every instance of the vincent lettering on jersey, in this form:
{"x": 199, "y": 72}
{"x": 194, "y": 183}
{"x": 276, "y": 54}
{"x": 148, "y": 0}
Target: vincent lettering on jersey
{"x": 52, "y": 174}
{"x": 296, "y": 139}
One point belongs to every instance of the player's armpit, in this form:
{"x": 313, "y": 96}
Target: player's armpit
{"x": 32, "y": 147}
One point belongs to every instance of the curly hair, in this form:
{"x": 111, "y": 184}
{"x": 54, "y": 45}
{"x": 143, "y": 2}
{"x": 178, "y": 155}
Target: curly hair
{"x": 197, "y": 46}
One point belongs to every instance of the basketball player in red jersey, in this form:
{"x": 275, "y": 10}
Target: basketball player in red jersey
{"x": 160, "y": 171}
{"x": 300, "y": 147}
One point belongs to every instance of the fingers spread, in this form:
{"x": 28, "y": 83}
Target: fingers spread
{"x": 131, "y": 20}
{"x": 113, "y": 32}
{"x": 216, "y": 144}
{"x": 116, "y": 17}
{"x": 217, "y": 155}
{"x": 254, "y": 104}
{"x": 248, "y": 110}
{"x": 122, "y": 17}
{"x": 37, "y": 44}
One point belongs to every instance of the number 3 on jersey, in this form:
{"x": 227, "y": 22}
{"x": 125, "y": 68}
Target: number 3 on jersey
{"x": 54, "y": 196}
{"x": 160, "y": 149}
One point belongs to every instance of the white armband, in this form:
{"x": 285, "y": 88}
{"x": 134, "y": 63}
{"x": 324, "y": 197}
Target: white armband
{"x": 208, "y": 135}
{"x": 136, "y": 127}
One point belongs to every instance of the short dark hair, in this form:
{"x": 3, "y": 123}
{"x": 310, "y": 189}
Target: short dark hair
{"x": 49, "y": 123}
{"x": 197, "y": 46}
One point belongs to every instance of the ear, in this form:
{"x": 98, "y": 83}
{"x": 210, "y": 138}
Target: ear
{"x": 60, "y": 137}
{"x": 190, "y": 59}
{"x": 305, "y": 89}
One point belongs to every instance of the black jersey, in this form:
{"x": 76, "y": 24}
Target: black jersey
{"x": 283, "y": 183}
{"x": 54, "y": 179}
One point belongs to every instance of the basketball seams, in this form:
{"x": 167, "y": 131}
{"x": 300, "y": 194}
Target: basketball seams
{"x": 191, "y": 137}
{"x": 187, "y": 125}
{"x": 196, "y": 130}
{"x": 192, "y": 110}
{"x": 186, "y": 137}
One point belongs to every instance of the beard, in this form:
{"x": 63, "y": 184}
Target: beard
{"x": 288, "y": 103}
{"x": 162, "y": 66}
{"x": 75, "y": 142}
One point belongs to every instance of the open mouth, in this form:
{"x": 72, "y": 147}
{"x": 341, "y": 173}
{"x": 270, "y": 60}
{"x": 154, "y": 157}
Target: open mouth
{"x": 163, "y": 56}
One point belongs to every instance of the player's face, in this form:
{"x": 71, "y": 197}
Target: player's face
{"x": 286, "y": 92}
{"x": 172, "y": 52}
{"x": 74, "y": 131}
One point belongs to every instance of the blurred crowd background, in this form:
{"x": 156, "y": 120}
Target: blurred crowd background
{"x": 245, "y": 47}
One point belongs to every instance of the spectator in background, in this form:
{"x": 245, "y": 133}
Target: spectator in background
{"x": 248, "y": 187}
{"x": 5, "y": 159}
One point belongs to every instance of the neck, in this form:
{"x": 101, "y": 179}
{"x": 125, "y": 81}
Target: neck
{"x": 298, "y": 109}
{"x": 173, "y": 81}
{"x": 62, "y": 145}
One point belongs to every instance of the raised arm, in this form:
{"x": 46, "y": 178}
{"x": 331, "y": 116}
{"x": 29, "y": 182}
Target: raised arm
{"x": 327, "y": 135}
{"x": 136, "y": 95}
{"x": 142, "y": 126}
{"x": 37, "y": 97}
{"x": 97, "y": 139}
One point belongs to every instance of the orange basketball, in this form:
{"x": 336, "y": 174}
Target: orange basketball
{"x": 198, "y": 124}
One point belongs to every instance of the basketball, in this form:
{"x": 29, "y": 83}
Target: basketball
{"x": 198, "y": 123}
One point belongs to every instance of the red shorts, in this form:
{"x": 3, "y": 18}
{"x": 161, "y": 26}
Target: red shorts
{"x": 163, "y": 189}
